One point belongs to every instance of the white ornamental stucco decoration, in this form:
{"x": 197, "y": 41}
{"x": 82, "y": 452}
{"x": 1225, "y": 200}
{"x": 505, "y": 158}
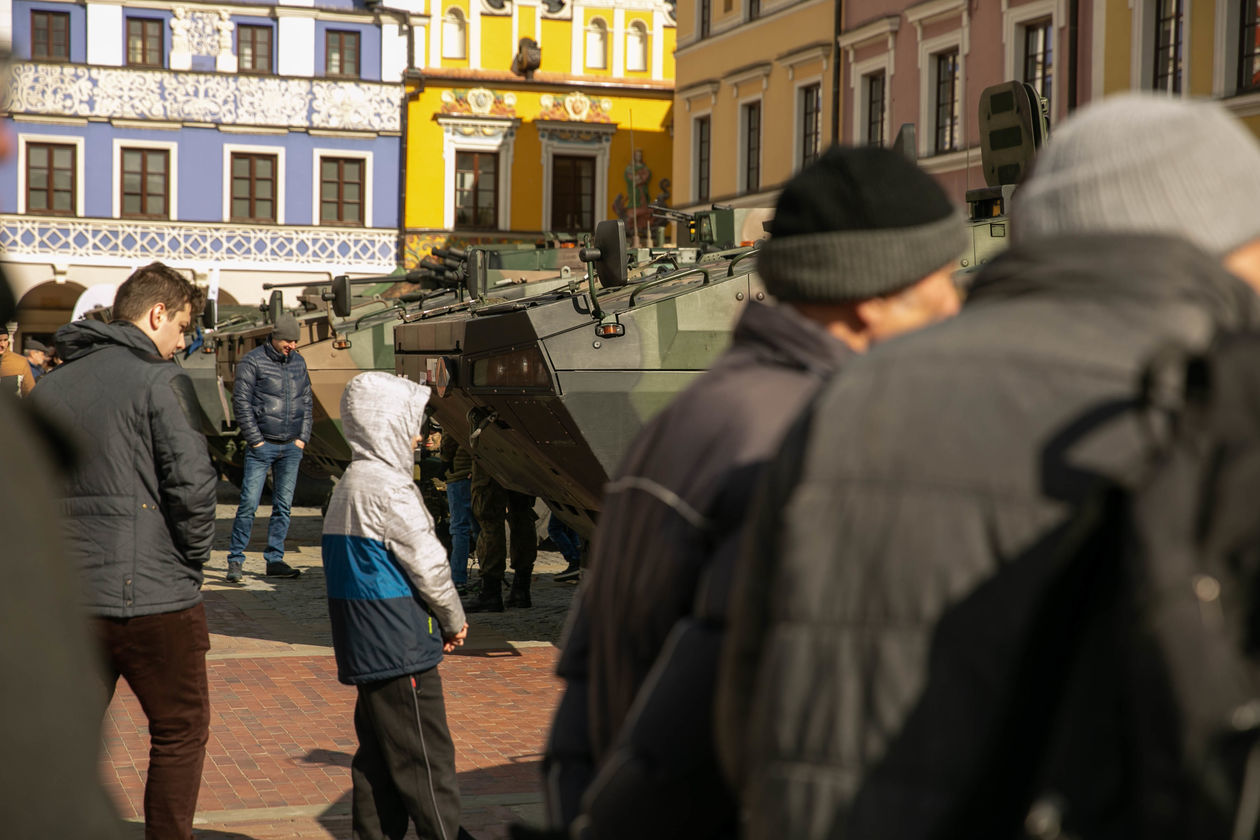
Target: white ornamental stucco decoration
{"x": 339, "y": 105}
{"x": 108, "y": 93}
{"x": 122, "y": 93}
{"x": 51, "y": 89}
{"x": 266, "y": 101}
{"x": 198, "y": 97}
{"x": 203, "y": 33}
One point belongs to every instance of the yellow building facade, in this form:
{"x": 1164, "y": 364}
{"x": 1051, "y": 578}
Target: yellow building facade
{"x": 745, "y": 66}
{"x": 1204, "y": 48}
{"x": 538, "y": 118}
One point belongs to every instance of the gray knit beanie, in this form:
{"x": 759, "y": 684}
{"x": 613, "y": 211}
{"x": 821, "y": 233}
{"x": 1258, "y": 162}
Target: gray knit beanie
{"x": 1145, "y": 163}
{"x": 286, "y": 328}
{"x": 858, "y": 223}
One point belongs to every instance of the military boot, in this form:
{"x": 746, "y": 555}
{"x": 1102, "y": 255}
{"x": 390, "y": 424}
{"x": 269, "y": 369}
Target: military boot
{"x": 489, "y": 599}
{"x": 518, "y": 595}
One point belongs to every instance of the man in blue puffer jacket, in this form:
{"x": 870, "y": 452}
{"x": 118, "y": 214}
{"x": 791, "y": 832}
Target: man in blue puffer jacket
{"x": 272, "y": 403}
{"x": 394, "y": 612}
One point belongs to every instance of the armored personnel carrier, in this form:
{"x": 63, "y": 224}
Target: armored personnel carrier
{"x": 550, "y": 388}
{"x": 346, "y": 328}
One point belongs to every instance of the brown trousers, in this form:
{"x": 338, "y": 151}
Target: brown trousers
{"x": 163, "y": 658}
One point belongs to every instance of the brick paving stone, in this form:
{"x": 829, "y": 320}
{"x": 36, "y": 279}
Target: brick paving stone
{"x": 281, "y": 732}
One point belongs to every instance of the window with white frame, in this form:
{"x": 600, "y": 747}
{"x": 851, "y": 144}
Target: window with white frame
{"x": 52, "y": 175}
{"x": 454, "y": 34}
{"x": 145, "y": 175}
{"x": 597, "y": 44}
{"x": 342, "y": 188}
{"x": 636, "y": 47}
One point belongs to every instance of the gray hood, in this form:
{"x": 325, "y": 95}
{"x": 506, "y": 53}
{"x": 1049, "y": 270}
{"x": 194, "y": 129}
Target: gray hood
{"x": 380, "y": 414}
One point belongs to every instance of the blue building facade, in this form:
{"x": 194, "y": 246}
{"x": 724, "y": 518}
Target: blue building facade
{"x": 249, "y": 143}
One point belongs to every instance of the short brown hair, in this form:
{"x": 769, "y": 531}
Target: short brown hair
{"x": 156, "y": 283}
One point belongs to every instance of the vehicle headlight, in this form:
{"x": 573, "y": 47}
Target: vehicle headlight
{"x": 518, "y": 369}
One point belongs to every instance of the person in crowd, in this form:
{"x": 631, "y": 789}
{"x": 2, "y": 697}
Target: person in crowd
{"x": 15, "y": 372}
{"x": 394, "y": 612}
{"x": 570, "y": 546}
{"x": 271, "y": 400}
{"x": 36, "y": 357}
{"x": 862, "y": 249}
{"x": 458, "y": 477}
{"x": 139, "y": 506}
{"x": 906, "y": 536}
{"x": 497, "y": 509}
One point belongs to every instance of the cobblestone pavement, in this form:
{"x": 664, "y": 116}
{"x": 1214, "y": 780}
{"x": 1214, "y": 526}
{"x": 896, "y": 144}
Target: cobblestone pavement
{"x": 281, "y": 731}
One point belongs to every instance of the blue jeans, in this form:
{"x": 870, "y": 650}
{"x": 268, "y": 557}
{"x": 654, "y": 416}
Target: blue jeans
{"x": 566, "y": 539}
{"x": 282, "y": 459}
{"x": 459, "y": 501}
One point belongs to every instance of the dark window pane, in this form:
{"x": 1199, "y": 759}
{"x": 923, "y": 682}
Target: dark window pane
{"x": 50, "y": 36}
{"x": 131, "y": 205}
{"x": 144, "y": 42}
{"x": 875, "y": 105}
{"x": 946, "y": 101}
{"x": 253, "y": 187}
{"x": 1249, "y": 48}
{"x": 702, "y": 159}
{"x": 1168, "y": 33}
{"x": 476, "y": 189}
{"x": 752, "y": 146}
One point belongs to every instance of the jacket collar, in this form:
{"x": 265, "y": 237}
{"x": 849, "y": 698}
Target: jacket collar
{"x": 274, "y": 354}
{"x": 82, "y": 338}
{"x": 789, "y": 337}
{"x": 1120, "y": 266}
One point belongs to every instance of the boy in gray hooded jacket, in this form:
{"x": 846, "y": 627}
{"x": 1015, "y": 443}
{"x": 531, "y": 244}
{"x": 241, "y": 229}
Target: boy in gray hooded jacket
{"x": 394, "y": 612}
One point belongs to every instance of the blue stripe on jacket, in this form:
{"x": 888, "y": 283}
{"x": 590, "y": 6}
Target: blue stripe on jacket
{"x": 381, "y": 628}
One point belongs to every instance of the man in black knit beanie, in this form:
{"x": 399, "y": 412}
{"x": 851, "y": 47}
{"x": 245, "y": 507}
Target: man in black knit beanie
{"x": 861, "y": 249}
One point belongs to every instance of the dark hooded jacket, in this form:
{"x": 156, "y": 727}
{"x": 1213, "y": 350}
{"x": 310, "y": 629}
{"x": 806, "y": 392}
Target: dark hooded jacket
{"x": 907, "y": 534}
{"x": 271, "y": 396}
{"x": 140, "y": 503}
{"x": 672, "y": 518}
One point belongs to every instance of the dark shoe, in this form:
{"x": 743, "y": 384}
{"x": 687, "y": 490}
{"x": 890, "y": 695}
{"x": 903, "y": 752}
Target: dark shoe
{"x": 282, "y": 570}
{"x": 486, "y": 601}
{"x": 234, "y": 575}
{"x": 573, "y": 573}
{"x": 518, "y": 598}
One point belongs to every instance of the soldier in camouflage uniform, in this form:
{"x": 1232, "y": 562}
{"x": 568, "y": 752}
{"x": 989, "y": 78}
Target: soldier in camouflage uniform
{"x": 494, "y": 506}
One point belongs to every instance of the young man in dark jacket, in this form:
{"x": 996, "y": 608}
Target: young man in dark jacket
{"x": 140, "y": 520}
{"x": 271, "y": 400}
{"x": 917, "y": 522}
{"x": 861, "y": 250}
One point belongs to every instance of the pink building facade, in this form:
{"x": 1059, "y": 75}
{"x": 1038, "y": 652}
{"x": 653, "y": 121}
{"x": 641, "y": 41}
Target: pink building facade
{"x": 926, "y": 63}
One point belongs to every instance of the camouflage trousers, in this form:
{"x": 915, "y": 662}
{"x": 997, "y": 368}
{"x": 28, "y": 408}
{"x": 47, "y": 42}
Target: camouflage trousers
{"x": 495, "y": 506}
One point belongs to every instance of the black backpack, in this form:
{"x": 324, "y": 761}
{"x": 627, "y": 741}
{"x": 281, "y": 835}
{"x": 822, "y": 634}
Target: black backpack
{"x": 1160, "y": 582}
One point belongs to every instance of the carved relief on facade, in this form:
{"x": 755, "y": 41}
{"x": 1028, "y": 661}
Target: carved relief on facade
{"x": 62, "y": 90}
{"x": 51, "y": 89}
{"x": 575, "y": 107}
{"x": 480, "y": 102}
{"x": 198, "y": 97}
{"x": 125, "y": 93}
{"x": 339, "y": 105}
{"x": 262, "y": 101}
